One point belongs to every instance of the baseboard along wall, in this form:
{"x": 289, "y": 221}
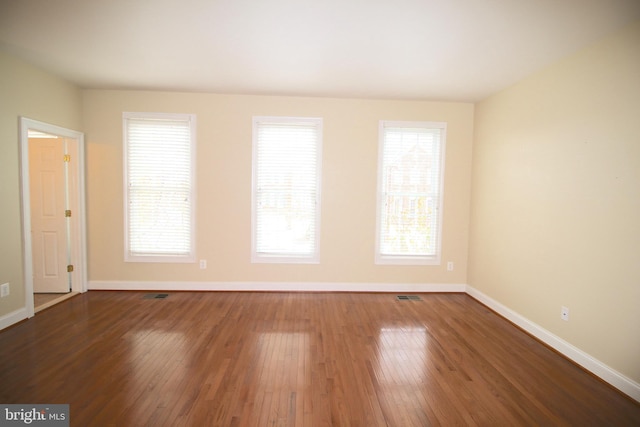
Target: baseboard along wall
{"x": 276, "y": 286}
{"x": 599, "y": 369}
{"x": 13, "y": 318}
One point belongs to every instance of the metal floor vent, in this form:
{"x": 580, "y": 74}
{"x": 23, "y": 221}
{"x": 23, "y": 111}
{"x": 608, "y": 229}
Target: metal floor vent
{"x": 155, "y": 296}
{"x": 408, "y": 298}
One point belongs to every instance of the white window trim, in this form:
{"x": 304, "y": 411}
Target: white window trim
{"x": 285, "y": 258}
{"x": 410, "y": 259}
{"x": 191, "y": 257}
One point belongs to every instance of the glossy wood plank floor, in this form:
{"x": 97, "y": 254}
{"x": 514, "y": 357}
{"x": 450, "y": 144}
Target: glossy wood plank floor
{"x": 295, "y": 359}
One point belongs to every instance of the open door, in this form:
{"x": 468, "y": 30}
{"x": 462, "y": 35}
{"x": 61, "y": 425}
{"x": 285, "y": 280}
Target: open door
{"x": 49, "y": 224}
{"x": 52, "y": 192}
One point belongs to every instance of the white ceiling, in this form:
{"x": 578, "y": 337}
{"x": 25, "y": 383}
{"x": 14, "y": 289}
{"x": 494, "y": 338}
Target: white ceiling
{"x": 459, "y": 50}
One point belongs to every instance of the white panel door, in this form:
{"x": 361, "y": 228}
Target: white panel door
{"x": 48, "y": 222}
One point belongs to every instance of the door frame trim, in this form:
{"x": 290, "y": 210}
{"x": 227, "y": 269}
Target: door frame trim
{"x": 79, "y": 281}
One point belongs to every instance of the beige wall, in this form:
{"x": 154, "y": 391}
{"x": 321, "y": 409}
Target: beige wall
{"x": 349, "y": 172}
{"x": 556, "y": 200}
{"x": 29, "y": 92}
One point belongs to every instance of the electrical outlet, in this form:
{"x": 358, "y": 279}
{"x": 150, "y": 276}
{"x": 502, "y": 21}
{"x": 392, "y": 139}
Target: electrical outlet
{"x": 203, "y": 264}
{"x": 564, "y": 314}
{"x": 450, "y": 266}
{"x": 4, "y": 290}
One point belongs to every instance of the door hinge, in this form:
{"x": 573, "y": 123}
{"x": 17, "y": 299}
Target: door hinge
{"x": 67, "y": 158}
{"x": 67, "y": 213}
{"x": 70, "y": 268}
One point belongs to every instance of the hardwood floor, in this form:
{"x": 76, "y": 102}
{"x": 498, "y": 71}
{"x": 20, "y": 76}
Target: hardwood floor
{"x": 295, "y": 359}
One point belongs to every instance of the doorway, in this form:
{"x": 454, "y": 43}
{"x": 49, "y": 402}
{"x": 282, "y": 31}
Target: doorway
{"x": 52, "y": 192}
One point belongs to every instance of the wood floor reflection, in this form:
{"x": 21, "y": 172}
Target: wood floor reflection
{"x": 295, "y": 359}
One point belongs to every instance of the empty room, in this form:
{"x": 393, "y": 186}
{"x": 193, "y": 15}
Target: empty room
{"x": 337, "y": 213}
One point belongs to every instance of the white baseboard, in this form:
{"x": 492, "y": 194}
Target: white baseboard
{"x": 611, "y": 376}
{"x": 13, "y": 318}
{"x": 275, "y": 286}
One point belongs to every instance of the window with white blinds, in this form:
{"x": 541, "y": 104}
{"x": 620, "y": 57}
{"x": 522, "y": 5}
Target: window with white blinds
{"x": 286, "y": 189}
{"x": 410, "y": 183}
{"x": 159, "y": 183}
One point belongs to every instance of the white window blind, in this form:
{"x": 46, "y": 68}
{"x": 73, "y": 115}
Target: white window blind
{"x": 286, "y": 189}
{"x": 159, "y": 187}
{"x": 411, "y": 165}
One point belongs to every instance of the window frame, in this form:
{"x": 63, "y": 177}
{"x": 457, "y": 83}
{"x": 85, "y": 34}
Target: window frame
{"x": 409, "y": 259}
{"x": 190, "y": 257}
{"x": 285, "y": 258}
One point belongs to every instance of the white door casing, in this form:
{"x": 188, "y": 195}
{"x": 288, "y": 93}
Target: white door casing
{"x": 74, "y": 141}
